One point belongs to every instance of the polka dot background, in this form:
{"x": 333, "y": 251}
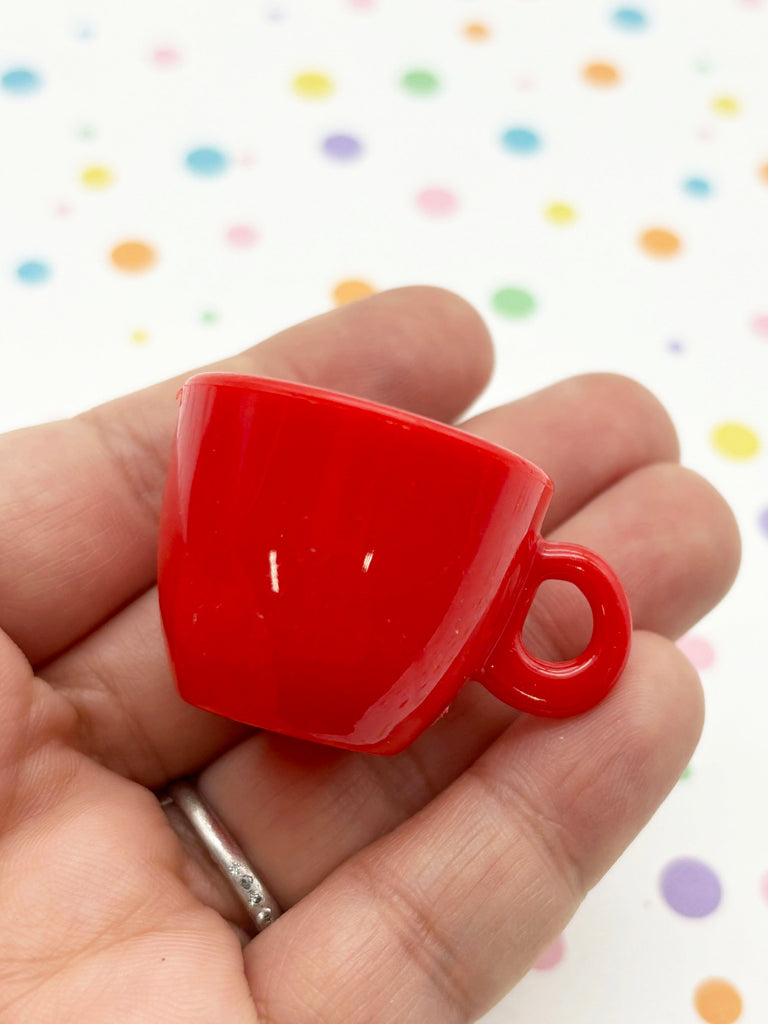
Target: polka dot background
{"x": 592, "y": 176}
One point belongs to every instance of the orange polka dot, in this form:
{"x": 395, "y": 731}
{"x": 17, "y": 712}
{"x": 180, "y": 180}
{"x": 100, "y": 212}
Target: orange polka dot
{"x": 763, "y": 172}
{"x": 602, "y": 75}
{"x": 660, "y": 242}
{"x": 351, "y": 291}
{"x": 476, "y": 31}
{"x": 133, "y": 256}
{"x": 717, "y": 1001}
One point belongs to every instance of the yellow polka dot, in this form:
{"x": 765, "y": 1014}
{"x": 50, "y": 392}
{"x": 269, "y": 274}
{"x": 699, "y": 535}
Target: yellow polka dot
{"x": 133, "y": 256}
{"x": 140, "y": 337}
{"x": 717, "y": 1001}
{"x": 477, "y": 32}
{"x": 735, "y": 441}
{"x": 602, "y": 75}
{"x": 313, "y": 85}
{"x": 351, "y": 291}
{"x": 728, "y": 106}
{"x": 97, "y": 177}
{"x": 560, "y": 213}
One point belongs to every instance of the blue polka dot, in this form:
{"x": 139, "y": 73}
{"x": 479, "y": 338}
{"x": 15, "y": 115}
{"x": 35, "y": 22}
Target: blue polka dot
{"x": 21, "y": 81}
{"x": 33, "y": 272}
{"x": 631, "y": 18}
{"x": 206, "y": 161}
{"x": 521, "y": 140}
{"x": 698, "y": 187}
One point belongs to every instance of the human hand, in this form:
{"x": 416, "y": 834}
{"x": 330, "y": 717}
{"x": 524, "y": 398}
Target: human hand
{"x": 419, "y": 887}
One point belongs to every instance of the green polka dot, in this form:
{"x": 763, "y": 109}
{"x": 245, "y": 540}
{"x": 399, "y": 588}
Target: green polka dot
{"x": 686, "y": 772}
{"x": 420, "y": 82}
{"x": 209, "y": 317}
{"x": 513, "y": 302}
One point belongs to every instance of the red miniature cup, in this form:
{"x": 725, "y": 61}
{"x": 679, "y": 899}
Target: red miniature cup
{"x": 335, "y": 570}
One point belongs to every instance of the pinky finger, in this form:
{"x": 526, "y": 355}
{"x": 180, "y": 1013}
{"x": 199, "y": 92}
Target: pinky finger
{"x": 435, "y": 922}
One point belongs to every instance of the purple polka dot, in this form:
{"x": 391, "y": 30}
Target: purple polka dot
{"x": 342, "y": 147}
{"x": 762, "y": 520}
{"x": 691, "y": 887}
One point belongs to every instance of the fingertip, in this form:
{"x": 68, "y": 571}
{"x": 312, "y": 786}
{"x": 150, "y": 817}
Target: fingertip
{"x": 665, "y": 699}
{"x": 449, "y": 331}
{"x": 418, "y": 347}
{"x": 717, "y": 533}
{"x": 639, "y": 405}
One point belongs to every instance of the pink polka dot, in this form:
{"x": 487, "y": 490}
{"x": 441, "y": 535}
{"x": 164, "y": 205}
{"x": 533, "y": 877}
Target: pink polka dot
{"x": 361, "y": 5}
{"x": 760, "y": 325}
{"x": 166, "y": 56}
{"x": 764, "y": 886}
{"x": 697, "y": 650}
{"x": 242, "y": 236}
{"x": 552, "y": 957}
{"x": 436, "y": 202}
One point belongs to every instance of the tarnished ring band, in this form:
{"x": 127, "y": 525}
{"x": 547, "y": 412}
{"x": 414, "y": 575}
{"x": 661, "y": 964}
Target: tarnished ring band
{"x": 261, "y": 906}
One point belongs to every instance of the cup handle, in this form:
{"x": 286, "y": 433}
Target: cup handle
{"x": 563, "y": 688}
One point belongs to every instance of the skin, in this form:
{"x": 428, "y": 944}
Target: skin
{"x": 418, "y": 888}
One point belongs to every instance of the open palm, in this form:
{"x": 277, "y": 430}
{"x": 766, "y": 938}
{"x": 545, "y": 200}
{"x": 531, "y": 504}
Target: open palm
{"x": 418, "y": 888}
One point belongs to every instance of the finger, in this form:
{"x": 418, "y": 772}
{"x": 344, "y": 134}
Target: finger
{"x": 673, "y": 542}
{"x": 119, "y": 678}
{"x": 452, "y": 908}
{"x": 79, "y": 499}
{"x": 586, "y": 432}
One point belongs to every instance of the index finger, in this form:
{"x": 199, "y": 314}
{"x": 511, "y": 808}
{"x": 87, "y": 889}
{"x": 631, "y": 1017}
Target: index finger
{"x": 79, "y": 499}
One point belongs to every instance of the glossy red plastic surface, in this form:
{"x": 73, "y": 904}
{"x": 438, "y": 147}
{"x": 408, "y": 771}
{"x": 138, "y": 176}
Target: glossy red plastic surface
{"x": 335, "y": 570}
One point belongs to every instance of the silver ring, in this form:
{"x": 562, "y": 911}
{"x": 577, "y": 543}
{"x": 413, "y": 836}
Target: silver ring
{"x": 259, "y": 903}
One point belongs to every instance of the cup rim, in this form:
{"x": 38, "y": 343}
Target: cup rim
{"x": 278, "y": 385}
